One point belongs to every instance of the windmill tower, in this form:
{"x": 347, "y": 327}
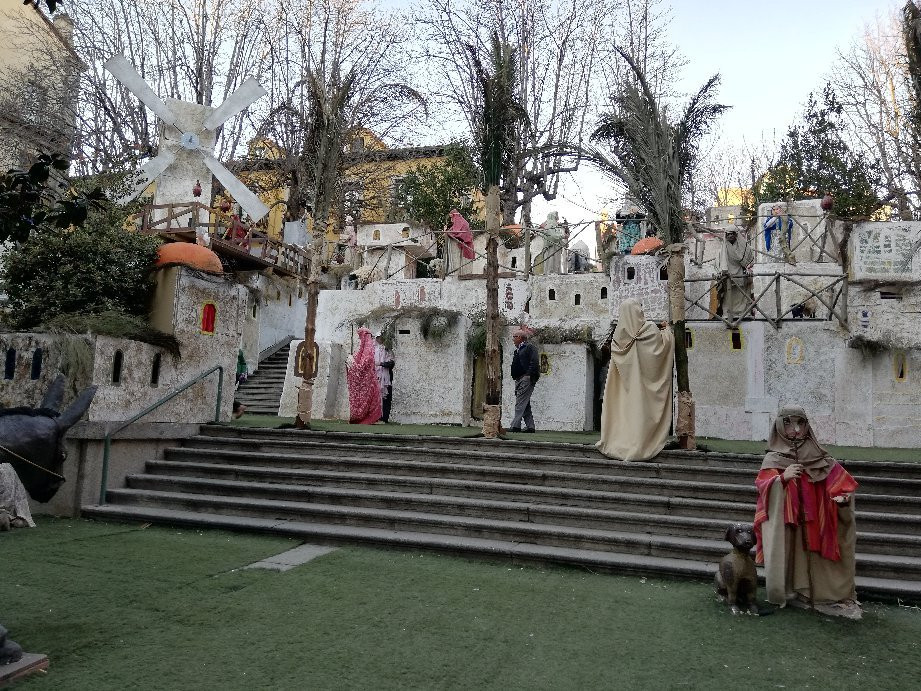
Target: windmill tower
{"x": 187, "y": 135}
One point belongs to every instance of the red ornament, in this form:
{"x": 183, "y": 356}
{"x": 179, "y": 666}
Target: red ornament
{"x": 225, "y": 205}
{"x": 828, "y": 202}
{"x": 196, "y": 191}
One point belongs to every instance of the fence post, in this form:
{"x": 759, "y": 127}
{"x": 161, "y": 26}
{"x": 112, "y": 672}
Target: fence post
{"x": 777, "y": 300}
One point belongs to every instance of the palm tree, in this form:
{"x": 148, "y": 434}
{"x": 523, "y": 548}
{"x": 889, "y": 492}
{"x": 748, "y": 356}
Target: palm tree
{"x": 655, "y": 159}
{"x": 498, "y": 117}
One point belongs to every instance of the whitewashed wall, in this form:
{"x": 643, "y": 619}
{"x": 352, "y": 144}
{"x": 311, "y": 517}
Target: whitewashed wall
{"x": 563, "y": 397}
{"x": 851, "y": 399}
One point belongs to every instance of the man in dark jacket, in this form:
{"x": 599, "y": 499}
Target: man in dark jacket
{"x": 525, "y": 372}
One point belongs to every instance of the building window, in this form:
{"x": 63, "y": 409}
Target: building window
{"x": 663, "y": 272}
{"x": 117, "y": 361}
{"x": 254, "y": 310}
{"x": 577, "y": 299}
{"x": 155, "y": 370}
{"x": 630, "y": 273}
{"x": 688, "y": 339}
{"x": 208, "y": 317}
{"x": 290, "y": 298}
{"x": 514, "y": 262}
{"x": 900, "y": 366}
{"x": 736, "y": 339}
{"x": 9, "y": 368}
{"x": 36, "y": 364}
{"x": 551, "y": 294}
{"x": 405, "y": 232}
{"x": 376, "y": 234}
{"x": 604, "y": 293}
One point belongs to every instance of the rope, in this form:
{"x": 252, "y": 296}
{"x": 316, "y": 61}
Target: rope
{"x": 35, "y": 465}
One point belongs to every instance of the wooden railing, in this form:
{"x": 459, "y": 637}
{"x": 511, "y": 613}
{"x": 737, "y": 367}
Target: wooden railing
{"x": 767, "y": 303}
{"x": 227, "y": 232}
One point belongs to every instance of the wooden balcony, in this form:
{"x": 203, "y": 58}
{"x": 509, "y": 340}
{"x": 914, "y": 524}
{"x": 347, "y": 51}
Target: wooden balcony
{"x": 249, "y": 246}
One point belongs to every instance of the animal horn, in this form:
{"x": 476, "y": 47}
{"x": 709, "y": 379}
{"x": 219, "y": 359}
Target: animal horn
{"x": 55, "y": 394}
{"x": 70, "y": 416}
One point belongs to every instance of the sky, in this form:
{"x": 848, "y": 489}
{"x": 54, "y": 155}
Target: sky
{"x": 770, "y": 55}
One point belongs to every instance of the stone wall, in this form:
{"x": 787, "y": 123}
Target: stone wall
{"x": 563, "y": 398}
{"x": 851, "y": 398}
{"x": 132, "y": 375}
{"x": 641, "y": 277}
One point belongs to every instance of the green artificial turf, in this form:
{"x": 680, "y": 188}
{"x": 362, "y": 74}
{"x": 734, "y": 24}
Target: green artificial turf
{"x": 118, "y": 607}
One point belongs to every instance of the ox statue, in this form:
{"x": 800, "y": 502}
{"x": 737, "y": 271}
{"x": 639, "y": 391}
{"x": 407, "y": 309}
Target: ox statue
{"x": 32, "y": 439}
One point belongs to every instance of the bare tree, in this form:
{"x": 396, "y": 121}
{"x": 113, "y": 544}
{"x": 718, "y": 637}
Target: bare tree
{"x": 338, "y": 75}
{"x": 328, "y": 45}
{"x": 556, "y": 45}
{"x": 874, "y": 85}
{"x": 195, "y": 50}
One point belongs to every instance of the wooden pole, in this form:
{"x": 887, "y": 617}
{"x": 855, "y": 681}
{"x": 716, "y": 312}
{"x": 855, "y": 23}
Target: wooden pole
{"x": 305, "y": 393}
{"x": 492, "y": 413}
{"x": 684, "y": 425}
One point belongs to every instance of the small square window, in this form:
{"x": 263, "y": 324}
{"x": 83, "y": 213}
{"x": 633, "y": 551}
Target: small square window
{"x": 551, "y": 294}
{"x": 604, "y": 293}
{"x": 736, "y": 339}
{"x": 577, "y": 299}
{"x": 900, "y": 366}
{"x": 630, "y": 273}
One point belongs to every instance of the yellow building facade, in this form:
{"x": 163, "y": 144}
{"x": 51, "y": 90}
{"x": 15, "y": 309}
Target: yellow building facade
{"x": 38, "y": 83}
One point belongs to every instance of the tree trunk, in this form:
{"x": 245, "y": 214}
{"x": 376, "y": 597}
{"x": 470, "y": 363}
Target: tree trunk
{"x": 493, "y": 408}
{"x": 684, "y": 426}
{"x": 305, "y": 393}
{"x": 526, "y": 237}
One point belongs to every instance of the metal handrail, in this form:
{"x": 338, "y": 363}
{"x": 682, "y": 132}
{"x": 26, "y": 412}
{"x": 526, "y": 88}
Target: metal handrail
{"x": 107, "y": 442}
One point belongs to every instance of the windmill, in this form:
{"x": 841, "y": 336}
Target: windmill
{"x": 187, "y": 135}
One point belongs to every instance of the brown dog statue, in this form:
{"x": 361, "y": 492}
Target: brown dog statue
{"x": 736, "y": 579}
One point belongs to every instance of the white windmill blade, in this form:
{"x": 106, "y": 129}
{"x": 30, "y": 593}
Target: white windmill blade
{"x": 124, "y": 71}
{"x": 246, "y": 94}
{"x": 147, "y": 173}
{"x": 250, "y": 202}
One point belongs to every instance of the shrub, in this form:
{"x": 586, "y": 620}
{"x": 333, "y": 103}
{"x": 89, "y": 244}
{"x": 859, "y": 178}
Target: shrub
{"x": 98, "y": 267}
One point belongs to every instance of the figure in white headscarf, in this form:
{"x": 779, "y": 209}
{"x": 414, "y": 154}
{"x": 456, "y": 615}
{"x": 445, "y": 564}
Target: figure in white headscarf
{"x": 637, "y": 407}
{"x": 554, "y": 239}
{"x": 735, "y": 279}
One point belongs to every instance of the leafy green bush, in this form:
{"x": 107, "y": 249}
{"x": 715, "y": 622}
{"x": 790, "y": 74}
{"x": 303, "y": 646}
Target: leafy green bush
{"x": 96, "y": 268}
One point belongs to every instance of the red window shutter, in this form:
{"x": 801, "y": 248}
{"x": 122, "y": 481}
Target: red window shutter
{"x": 208, "y": 315}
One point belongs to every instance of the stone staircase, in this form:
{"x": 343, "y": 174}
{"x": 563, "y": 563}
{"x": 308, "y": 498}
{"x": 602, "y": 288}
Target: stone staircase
{"x": 261, "y": 392}
{"x": 525, "y": 501}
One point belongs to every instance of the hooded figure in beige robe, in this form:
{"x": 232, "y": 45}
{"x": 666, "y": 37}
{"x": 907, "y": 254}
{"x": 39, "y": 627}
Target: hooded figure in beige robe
{"x": 637, "y": 408}
{"x": 735, "y": 279}
{"x": 804, "y": 521}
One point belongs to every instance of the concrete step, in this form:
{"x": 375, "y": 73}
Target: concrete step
{"x": 372, "y": 468}
{"x": 880, "y": 533}
{"x": 629, "y": 542}
{"x": 625, "y": 512}
{"x": 642, "y": 564}
{"x": 894, "y": 478}
{"x": 503, "y": 467}
{"x": 598, "y": 497}
{"x": 889, "y": 469}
